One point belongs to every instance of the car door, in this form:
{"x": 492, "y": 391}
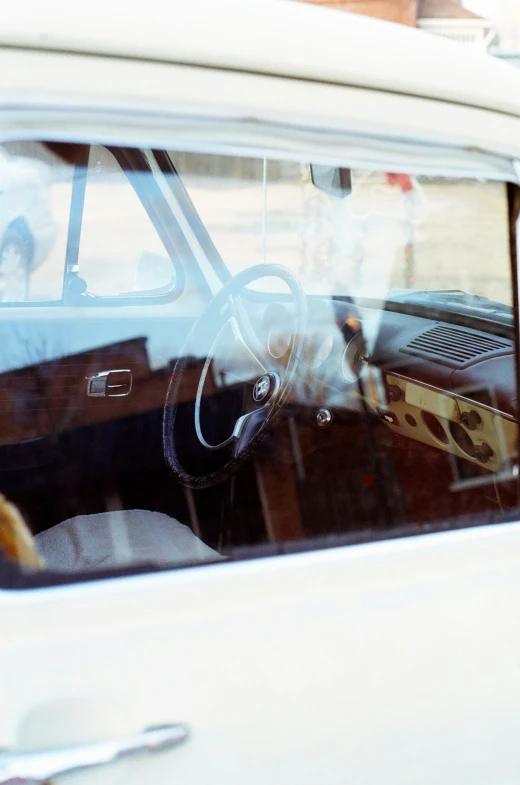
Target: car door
{"x": 331, "y": 646}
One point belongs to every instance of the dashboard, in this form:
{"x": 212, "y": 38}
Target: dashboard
{"x": 454, "y": 423}
{"x": 436, "y": 383}
{"x": 432, "y": 382}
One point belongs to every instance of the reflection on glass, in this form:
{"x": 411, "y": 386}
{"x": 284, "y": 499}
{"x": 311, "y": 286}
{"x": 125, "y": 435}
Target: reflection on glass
{"x": 34, "y": 212}
{"x": 333, "y": 367}
{"x": 121, "y": 251}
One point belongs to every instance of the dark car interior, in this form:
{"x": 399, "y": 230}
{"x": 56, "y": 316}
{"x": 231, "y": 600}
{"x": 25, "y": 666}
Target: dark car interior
{"x": 273, "y": 421}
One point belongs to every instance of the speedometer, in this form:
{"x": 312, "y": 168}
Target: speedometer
{"x": 278, "y": 341}
{"x": 322, "y": 351}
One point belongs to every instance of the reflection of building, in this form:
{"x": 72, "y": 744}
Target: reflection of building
{"x": 46, "y": 397}
{"x": 442, "y": 17}
{"x": 403, "y": 11}
{"x": 49, "y": 397}
{"x": 448, "y": 18}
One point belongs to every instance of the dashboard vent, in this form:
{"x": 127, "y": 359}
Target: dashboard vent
{"x": 455, "y": 347}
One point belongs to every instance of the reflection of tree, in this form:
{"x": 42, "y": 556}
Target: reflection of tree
{"x": 40, "y": 388}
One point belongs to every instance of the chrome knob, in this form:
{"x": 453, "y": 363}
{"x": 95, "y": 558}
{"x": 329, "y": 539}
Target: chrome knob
{"x": 323, "y": 418}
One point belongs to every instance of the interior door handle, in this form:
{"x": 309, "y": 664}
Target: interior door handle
{"x": 30, "y": 768}
{"x": 110, "y": 384}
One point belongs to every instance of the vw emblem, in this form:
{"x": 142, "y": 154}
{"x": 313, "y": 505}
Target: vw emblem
{"x": 262, "y": 388}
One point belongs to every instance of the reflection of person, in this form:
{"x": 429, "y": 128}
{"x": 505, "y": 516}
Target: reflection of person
{"x": 405, "y": 184}
{"x": 317, "y": 234}
{"x": 403, "y": 181}
{"x": 386, "y": 207}
{"x": 332, "y": 243}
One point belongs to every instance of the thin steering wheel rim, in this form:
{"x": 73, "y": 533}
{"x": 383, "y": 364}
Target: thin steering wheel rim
{"x": 274, "y": 406}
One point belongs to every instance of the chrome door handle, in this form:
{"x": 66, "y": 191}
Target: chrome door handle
{"x": 110, "y": 384}
{"x": 30, "y": 768}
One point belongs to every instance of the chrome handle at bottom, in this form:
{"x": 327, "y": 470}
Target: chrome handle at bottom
{"x": 30, "y": 768}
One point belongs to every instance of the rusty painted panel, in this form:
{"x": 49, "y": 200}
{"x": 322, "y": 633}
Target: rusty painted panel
{"x": 403, "y": 11}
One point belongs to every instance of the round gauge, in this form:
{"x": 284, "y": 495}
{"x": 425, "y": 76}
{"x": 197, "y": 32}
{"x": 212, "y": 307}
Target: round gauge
{"x": 353, "y": 358}
{"x": 277, "y": 330}
{"x": 321, "y": 351}
{"x": 278, "y": 341}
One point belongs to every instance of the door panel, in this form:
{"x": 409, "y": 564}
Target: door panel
{"x": 393, "y": 662}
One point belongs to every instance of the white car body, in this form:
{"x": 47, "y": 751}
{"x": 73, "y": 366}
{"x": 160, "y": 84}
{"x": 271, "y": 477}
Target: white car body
{"x": 392, "y": 662}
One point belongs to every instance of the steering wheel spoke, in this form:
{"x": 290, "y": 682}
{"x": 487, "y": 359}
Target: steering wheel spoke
{"x": 253, "y": 349}
{"x": 246, "y": 427}
{"x": 245, "y": 333}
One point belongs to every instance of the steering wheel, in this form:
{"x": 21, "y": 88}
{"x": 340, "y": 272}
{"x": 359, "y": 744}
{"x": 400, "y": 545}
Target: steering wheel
{"x": 257, "y": 379}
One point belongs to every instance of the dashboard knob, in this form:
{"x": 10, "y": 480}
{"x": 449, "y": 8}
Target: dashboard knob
{"x": 482, "y": 452}
{"x": 394, "y": 392}
{"x": 323, "y": 418}
{"x": 471, "y": 419}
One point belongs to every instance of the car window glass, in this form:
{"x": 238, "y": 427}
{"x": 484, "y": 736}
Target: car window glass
{"x": 400, "y": 230}
{"x": 334, "y": 368}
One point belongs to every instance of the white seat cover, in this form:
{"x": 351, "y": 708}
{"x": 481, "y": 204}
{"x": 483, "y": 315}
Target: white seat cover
{"x": 118, "y": 539}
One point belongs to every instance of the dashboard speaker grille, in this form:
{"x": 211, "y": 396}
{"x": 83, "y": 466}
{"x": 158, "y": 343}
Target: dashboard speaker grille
{"x": 454, "y": 346}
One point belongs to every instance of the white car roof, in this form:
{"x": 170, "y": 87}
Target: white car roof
{"x": 277, "y": 37}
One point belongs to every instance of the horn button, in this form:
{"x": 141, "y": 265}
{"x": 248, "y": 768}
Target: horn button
{"x": 265, "y": 387}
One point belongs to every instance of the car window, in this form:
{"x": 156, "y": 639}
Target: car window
{"x": 314, "y": 358}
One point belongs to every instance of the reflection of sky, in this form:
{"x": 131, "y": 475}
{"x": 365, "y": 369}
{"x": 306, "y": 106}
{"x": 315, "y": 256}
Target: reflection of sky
{"x": 40, "y": 340}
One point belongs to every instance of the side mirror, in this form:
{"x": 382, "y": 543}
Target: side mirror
{"x": 332, "y": 180}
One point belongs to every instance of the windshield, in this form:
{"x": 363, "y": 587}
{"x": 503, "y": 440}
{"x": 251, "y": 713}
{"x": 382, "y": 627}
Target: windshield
{"x": 392, "y": 235}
